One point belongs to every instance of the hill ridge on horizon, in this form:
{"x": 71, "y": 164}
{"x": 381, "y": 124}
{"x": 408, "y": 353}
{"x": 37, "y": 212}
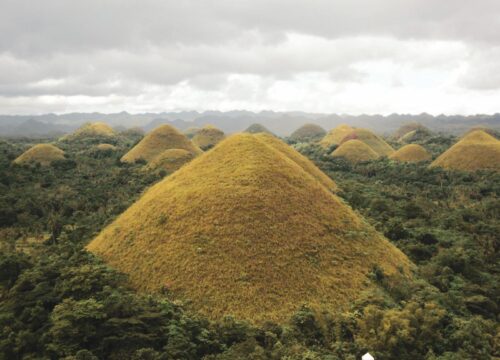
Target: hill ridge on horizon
{"x": 280, "y": 123}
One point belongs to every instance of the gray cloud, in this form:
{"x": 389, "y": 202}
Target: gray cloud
{"x": 152, "y": 50}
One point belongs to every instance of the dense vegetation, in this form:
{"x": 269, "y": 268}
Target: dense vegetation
{"x": 58, "y": 301}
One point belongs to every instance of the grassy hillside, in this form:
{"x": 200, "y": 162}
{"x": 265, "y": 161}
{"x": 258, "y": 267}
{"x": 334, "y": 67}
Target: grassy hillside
{"x": 245, "y": 230}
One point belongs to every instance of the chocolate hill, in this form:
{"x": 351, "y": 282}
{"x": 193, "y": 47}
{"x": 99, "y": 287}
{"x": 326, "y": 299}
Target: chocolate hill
{"x": 245, "y": 230}
{"x": 369, "y": 138}
{"x": 43, "y": 154}
{"x": 157, "y": 141}
{"x": 170, "y": 160}
{"x": 411, "y": 153}
{"x": 257, "y": 128}
{"x": 335, "y": 136}
{"x": 410, "y": 127}
{"x": 207, "y": 137}
{"x": 355, "y": 151}
{"x": 308, "y": 132}
{"x": 91, "y": 130}
{"x": 476, "y": 151}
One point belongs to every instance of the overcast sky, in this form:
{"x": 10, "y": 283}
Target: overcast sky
{"x": 348, "y": 56}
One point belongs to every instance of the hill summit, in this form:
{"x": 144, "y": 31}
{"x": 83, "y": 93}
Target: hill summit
{"x": 411, "y": 153}
{"x": 355, "y": 151}
{"x": 476, "y": 151}
{"x": 257, "y": 128}
{"x": 308, "y": 132}
{"x": 43, "y": 154}
{"x": 170, "y": 160}
{"x": 335, "y": 136}
{"x": 160, "y": 139}
{"x": 369, "y": 138}
{"x": 245, "y": 230}
{"x": 207, "y": 137}
{"x": 91, "y": 130}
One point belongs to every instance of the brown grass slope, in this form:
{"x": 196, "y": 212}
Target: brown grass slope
{"x": 308, "y": 132}
{"x": 91, "y": 129}
{"x": 170, "y": 160}
{"x": 306, "y": 164}
{"x": 160, "y": 139}
{"x": 244, "y": 230}
{"x": 335, "y": 136}
{"x": 207, "y": 137}
{"x": 191, "y": 132}
{"x": 492, "y": 132}
{"x": 106, "y": 147}
{"x": 409, "y": 127}
{"x": 369, "y": 138}
{"x": 355, "y": 151}
{"x": 257, "y": 128}
{"x": 476, "y": 151}
{"x": 411, "y": 153}
{"x": 43, "y": 154}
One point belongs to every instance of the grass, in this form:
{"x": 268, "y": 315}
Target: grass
{"x": 207, "y": 137}
{"x": 43, "y": 154}
{"x": 245, "y": 230}
{"x": 411, "y": 153}
{"x": 407, "y": 128}
{"x": 170, "y": 160}
{"x": 160, "y": 139}
{"x": 307, "y": 132}
{"x": 191, "y": 132}
{"x": 257, "y": 128}
{"x": 476, "y": 151}
{"x": 335, "y": 136}
{"x": 106, "y": 147}
{"x": 369, "y": 138}
{"x": 91, "y": 129}
{"x": 355, "y": 151}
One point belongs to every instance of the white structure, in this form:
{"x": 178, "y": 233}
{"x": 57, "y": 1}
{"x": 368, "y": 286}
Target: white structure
{"x": 367, "y": 356}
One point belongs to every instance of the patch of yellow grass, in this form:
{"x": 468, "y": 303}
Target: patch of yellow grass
{"x": 355, "y": 151}
{"x": 43, "y": 154}
{"x": 191, "y": 132}
{"x": 160, "y": 139}
{"x": 476, "y": 151}
{"x": 244, "y": 230}
{"x": 335, "y": 136}
{"x": 257, "y": 128}
{"x": 106, "y": 147}
{"x": 170, "y": 160}
{"x": 207, "y": 137}
{"x": 369, "y": 138}
{"x": 91, "y": 129}
{"x": 487, "y": 130}
{"x": 306, "y": 164}
{"x": 308, "y": 132}
{"x": 411, "y": 153}
{"x": 406, "y": 128}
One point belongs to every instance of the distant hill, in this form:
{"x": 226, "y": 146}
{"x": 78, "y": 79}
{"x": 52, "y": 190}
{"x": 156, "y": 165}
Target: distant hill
{"x": 280, "y": 123}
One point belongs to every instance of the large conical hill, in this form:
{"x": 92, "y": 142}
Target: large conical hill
{"x": 335, "y": 136}
{"x": 170, "y": 160}
{"x": 257, "y": 128}
{"x": 308, "y": 132}
{"x": 207, "y": 137}
{"x": 245, "y": 230}
{"x": 91, "y": 130}
{"x": 476, "y": 151}
{"x": 43, "y": 154}
{"x": 411, "y": 153}
{"x": 369, "y": 138}
{"x": 410, "y": 127}
{"x": 355, "y": 151}
{"x": 157, "y": 141}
